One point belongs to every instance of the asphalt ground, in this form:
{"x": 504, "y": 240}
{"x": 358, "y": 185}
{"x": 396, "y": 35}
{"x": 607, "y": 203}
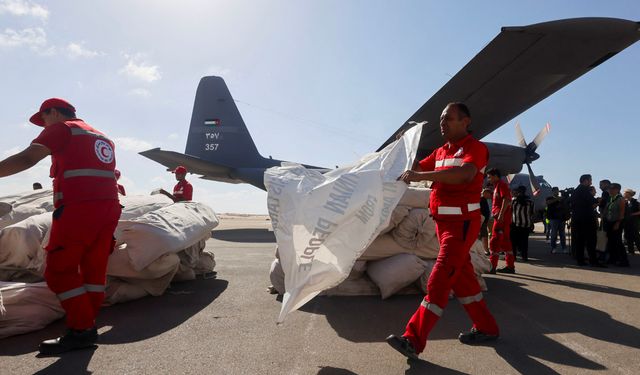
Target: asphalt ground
{"x": 555, "y": 317}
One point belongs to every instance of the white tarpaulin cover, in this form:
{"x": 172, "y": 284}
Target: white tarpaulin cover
{"x": 323, "y": 222}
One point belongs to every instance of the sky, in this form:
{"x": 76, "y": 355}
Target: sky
{"x": 317, "y": 82}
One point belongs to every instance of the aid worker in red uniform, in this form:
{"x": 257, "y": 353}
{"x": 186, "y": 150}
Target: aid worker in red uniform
{"x": 457, "y": 172}
{"x": 501, "y": 230}
{"x": 183, "y": 191}
{"x": 120, "y": 187}
{"x": 86, "y": 213}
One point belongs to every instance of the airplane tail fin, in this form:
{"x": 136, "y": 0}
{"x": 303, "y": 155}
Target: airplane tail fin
{"x": 217, "y": 132}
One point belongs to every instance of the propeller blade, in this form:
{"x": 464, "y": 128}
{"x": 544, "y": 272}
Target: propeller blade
{"x": 520, "y": 136}
{"x": 538, "y": 139}
{"x": 535, "y": 186}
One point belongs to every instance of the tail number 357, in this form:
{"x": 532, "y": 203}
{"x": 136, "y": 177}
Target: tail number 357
{"x": 211, "y": 146}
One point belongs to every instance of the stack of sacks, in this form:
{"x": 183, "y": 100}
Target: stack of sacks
{"x": 26, "y": 307}
{"x": 400, "y": 260}
{"x": 159, "y": 242}
{"x": 15, "y": 208}
{"x": 21, "y": 253}
{"x": 159, "y": 247}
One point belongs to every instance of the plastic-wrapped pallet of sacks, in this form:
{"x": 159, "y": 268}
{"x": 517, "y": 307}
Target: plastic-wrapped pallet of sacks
{"x": 27, "y": 307}
{"x": 21, "y": 253}
{"x": 166, "y": 230}
{"x": 24, "y": 205}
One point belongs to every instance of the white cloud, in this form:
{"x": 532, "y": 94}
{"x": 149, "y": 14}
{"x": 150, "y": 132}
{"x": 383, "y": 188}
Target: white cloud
{"x": 132, "y": 144}
{"x": 173, "y": 136}
{"x": 23, "y": 8}
{"x": 30, "y": 37}
{"x": 77, "y": 50}
{"x": 144, "y": 93}
{"x": 141, "y": 70}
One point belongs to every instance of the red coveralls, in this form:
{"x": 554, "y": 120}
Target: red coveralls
{"x": 500, "y": 233}
{"x": 183, "y": 191}
{"x": 456, "y": 211}
{"x": 87, "y": 212}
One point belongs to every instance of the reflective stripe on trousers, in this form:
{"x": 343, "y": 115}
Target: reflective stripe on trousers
{"x": 94, "y": 288}
{"x": 470, "y": 299}
{"x": 432, "y": 307}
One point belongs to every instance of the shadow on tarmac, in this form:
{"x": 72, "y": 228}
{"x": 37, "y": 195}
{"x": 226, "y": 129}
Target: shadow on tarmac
{"x": 420, "y": 367}
{"x": 244, "y": 235}
{"x": 527, "y": 319}
{"x": 532, "y": 324}
{"x": 577, "y": 285}
{"x": 334, "y": 371}
{"x": 130, "y": 322}
{"x": 71, "y": 363}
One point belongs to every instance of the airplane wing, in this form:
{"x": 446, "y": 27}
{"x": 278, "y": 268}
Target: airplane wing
{"x": 519, "y": 68}
{"x": 172, "y": 159}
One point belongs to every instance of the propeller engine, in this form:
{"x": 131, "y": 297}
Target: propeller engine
{"x": 531, "y": 154}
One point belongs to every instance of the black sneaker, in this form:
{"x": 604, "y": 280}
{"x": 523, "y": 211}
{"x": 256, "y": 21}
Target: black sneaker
{"x": 492, "y": 271}
{"x": 72, "y": 340}
{"x": 475, "y": 337}
{"x": 402, "y": 345}
{"x": 506, "y": 269}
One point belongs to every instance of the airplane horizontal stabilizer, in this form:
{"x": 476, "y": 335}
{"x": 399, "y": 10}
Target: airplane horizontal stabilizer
{"x": 172, "y": 159}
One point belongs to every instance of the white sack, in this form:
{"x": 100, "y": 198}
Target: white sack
{"x": 415, "y": 197}
{"x": 29, "y": 307}
{"x": 424, "y": 278}
{"x": 323, "y": 222}
{"x": 362, "y": 286}
{"x": 383, "y": 246}
{"x": 479, "y": 260}
{"x": 398, "y": 213}
{"x": 24, "y": 205}
{"x": 20, "y": 246}
{"x": 125, "y": 283}
{"x": 393, "y": 274}
{"x": 276, "y": 275}
{"x": 167, "y": 230}
{"x": 138, "y": 205}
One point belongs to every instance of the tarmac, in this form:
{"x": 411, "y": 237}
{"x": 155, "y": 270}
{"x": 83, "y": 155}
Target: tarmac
{"x": 555, "y": 317}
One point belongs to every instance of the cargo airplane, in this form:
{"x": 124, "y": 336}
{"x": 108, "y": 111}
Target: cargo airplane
{"x": 520, "y": 67}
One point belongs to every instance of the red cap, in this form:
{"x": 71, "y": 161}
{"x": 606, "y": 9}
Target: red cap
{"x": 48, "y": 104}
{"x": 180, "y": 170}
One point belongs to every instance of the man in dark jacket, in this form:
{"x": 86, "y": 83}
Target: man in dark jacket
{"x": 584, "y": 222}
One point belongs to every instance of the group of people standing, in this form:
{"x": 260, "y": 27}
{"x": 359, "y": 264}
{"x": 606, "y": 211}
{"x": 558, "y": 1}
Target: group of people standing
{"x": 616, "y": 214}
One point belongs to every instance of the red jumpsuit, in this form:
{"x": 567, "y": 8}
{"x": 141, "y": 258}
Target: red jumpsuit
{"x": 456, "y": 211}
{"x": 500, "y": 232}
{"x": 86, "y": 214}
{"x": 183, "y": 191}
